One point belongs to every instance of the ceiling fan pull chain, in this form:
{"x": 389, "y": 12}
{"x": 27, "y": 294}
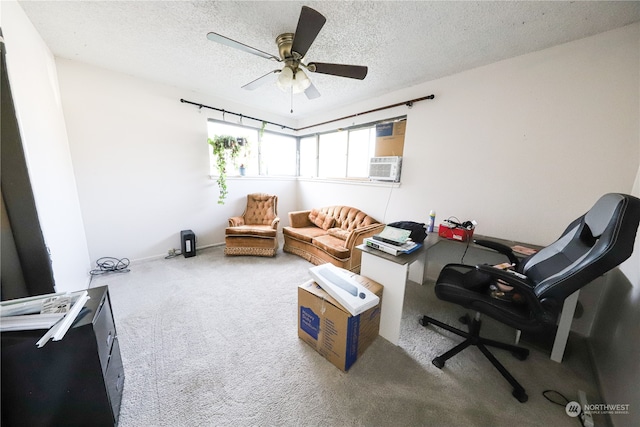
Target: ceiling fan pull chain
{"x": 291, "y": 100}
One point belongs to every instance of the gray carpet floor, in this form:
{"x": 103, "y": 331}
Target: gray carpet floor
{"x": 212, "y": 341}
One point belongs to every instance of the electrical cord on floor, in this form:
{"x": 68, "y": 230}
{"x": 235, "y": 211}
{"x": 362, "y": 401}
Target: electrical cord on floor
{"x": 173, "y": 253}
{"x": 111, "y": 265}
{"x": 564, "y": 404}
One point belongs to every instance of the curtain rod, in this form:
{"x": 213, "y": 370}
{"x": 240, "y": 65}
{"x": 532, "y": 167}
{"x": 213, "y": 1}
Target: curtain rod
{"x": 235, "y": 114}
{"x": 407, "y": 103}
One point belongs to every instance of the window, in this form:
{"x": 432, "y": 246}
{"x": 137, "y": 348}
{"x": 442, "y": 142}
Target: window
{"x": 248, "y": 154}
{"x": 339, "y": 154}
{"x": 309, "y": 156}
{"x": 332, "y": 155}
{"x": 342, "y": 154}
{"x": 277, "y": 154}
{"x": 273, "y": 154}
{"x": 362, "y": 145}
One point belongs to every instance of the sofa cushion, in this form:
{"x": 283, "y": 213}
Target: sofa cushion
{"x": 306, "y": 234}
{"x": 251, "y": 230}
{"x": 348, "y": 218}
{"x": 339, "y": 233}
{"x": 321, "y": 219}
{"x": 332, "y": 245}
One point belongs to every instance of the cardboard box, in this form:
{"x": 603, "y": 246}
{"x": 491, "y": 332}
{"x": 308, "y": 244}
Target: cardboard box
{"x": 390, "y": 139}
{"x": 460, "y": 234}
{"x": 330, "y": 329}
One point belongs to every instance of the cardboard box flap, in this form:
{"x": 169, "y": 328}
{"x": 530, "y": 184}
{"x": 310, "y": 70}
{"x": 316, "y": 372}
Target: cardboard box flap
{"x": 313, "y": 288}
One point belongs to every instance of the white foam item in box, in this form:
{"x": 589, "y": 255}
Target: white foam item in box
{"x": 338, "y": 283}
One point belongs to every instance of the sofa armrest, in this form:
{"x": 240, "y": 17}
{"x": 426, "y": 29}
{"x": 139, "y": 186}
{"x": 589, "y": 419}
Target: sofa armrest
{"x": 236, "y": 221}
{"x": 359, "y": 234}
{"x": 299, "y": 219}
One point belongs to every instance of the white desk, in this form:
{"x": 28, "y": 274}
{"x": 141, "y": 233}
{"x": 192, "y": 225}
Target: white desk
{"x": 392, "y": 272}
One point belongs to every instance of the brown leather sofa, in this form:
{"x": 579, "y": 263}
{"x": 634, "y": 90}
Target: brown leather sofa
{"x": 329, "y": 234}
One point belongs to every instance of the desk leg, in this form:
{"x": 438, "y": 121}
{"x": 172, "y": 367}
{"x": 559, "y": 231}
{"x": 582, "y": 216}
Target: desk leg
{"x": 418, "y": 269}
{"x": 394, "y": 279}
{"x": 564, "y": 326}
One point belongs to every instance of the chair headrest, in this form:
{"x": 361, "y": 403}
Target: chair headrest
{"x": 601, "y": 213}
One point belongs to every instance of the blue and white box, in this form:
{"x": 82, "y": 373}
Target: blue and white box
{"x": 330, "y": 329}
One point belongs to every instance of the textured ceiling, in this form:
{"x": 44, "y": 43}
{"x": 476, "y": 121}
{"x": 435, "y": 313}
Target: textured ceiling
{"x": 402, "y": 42}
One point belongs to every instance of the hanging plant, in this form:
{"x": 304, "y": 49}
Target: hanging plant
{"x": 264, "y": 125}
{"x": 224, "y": 147}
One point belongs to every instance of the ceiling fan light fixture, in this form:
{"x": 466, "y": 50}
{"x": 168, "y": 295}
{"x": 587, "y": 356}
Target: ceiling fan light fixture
{"x": 285, "y": 79}
{"x": 297, "y": 81}
{"x": 300, "y": 82}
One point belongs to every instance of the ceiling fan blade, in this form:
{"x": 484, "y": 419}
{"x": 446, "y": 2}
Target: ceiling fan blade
{"x": 309, "y": 25}
{"x": 261, "y": 80}
{"x": 352, "y": 71}
{"x": 240, "y": 46}
{"x": 312, "y": 92}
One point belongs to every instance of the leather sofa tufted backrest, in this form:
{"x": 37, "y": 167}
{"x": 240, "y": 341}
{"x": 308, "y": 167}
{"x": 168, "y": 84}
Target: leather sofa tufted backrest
{"x": 348, "y": 218}
{"x": 261, "y": 209}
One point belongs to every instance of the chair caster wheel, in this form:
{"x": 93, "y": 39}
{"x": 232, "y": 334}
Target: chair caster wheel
{"x": 423, "y": 321}
{"x": 520, "y": 355}
{"x": 438, "y": 363}
{"x": 520, "y": 395}
{"x": 465, "y": 320}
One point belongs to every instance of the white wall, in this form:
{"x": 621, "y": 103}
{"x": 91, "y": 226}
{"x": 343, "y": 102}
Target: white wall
{"x": 34, "y": 85}
{"x": 523, "y": 146}
{"x": 142, "y": 162}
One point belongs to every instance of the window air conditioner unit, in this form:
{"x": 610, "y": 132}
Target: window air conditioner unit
{"x": 385, "y": 168}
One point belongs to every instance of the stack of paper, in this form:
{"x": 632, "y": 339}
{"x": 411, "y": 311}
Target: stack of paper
{"x": 393, "y": 235}
{"x": 389, "y": 248}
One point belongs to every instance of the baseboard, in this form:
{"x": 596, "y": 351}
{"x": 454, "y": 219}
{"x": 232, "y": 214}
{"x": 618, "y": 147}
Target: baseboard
{"x": 156, "y": 257}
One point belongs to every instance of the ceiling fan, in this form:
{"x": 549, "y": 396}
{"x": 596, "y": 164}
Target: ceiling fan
{"x": 292, "y": 48}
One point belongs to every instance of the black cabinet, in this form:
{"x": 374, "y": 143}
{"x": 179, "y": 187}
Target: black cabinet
{"x": 76, "y": 381}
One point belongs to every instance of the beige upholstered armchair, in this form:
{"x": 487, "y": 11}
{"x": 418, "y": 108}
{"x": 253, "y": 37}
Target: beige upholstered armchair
{"x": 255, "y": 231}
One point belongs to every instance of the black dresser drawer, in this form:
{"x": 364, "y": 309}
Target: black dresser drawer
{"x": 105, "y": 330}
{"x": 114, "y": 378}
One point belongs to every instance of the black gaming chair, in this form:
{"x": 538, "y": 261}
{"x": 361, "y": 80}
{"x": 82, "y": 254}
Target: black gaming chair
{"x": 593, "y": 244}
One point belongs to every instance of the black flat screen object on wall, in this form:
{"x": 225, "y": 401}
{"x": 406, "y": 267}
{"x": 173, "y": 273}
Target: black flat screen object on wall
{"x": 188, "y": 243}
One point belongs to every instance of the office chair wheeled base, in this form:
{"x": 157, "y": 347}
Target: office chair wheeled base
{"x": 473, "y": 338}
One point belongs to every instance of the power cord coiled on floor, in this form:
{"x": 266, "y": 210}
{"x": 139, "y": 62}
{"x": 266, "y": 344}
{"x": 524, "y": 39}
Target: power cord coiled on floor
{"x": 111, "y": 265}
{"x": 564, "y": 403}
